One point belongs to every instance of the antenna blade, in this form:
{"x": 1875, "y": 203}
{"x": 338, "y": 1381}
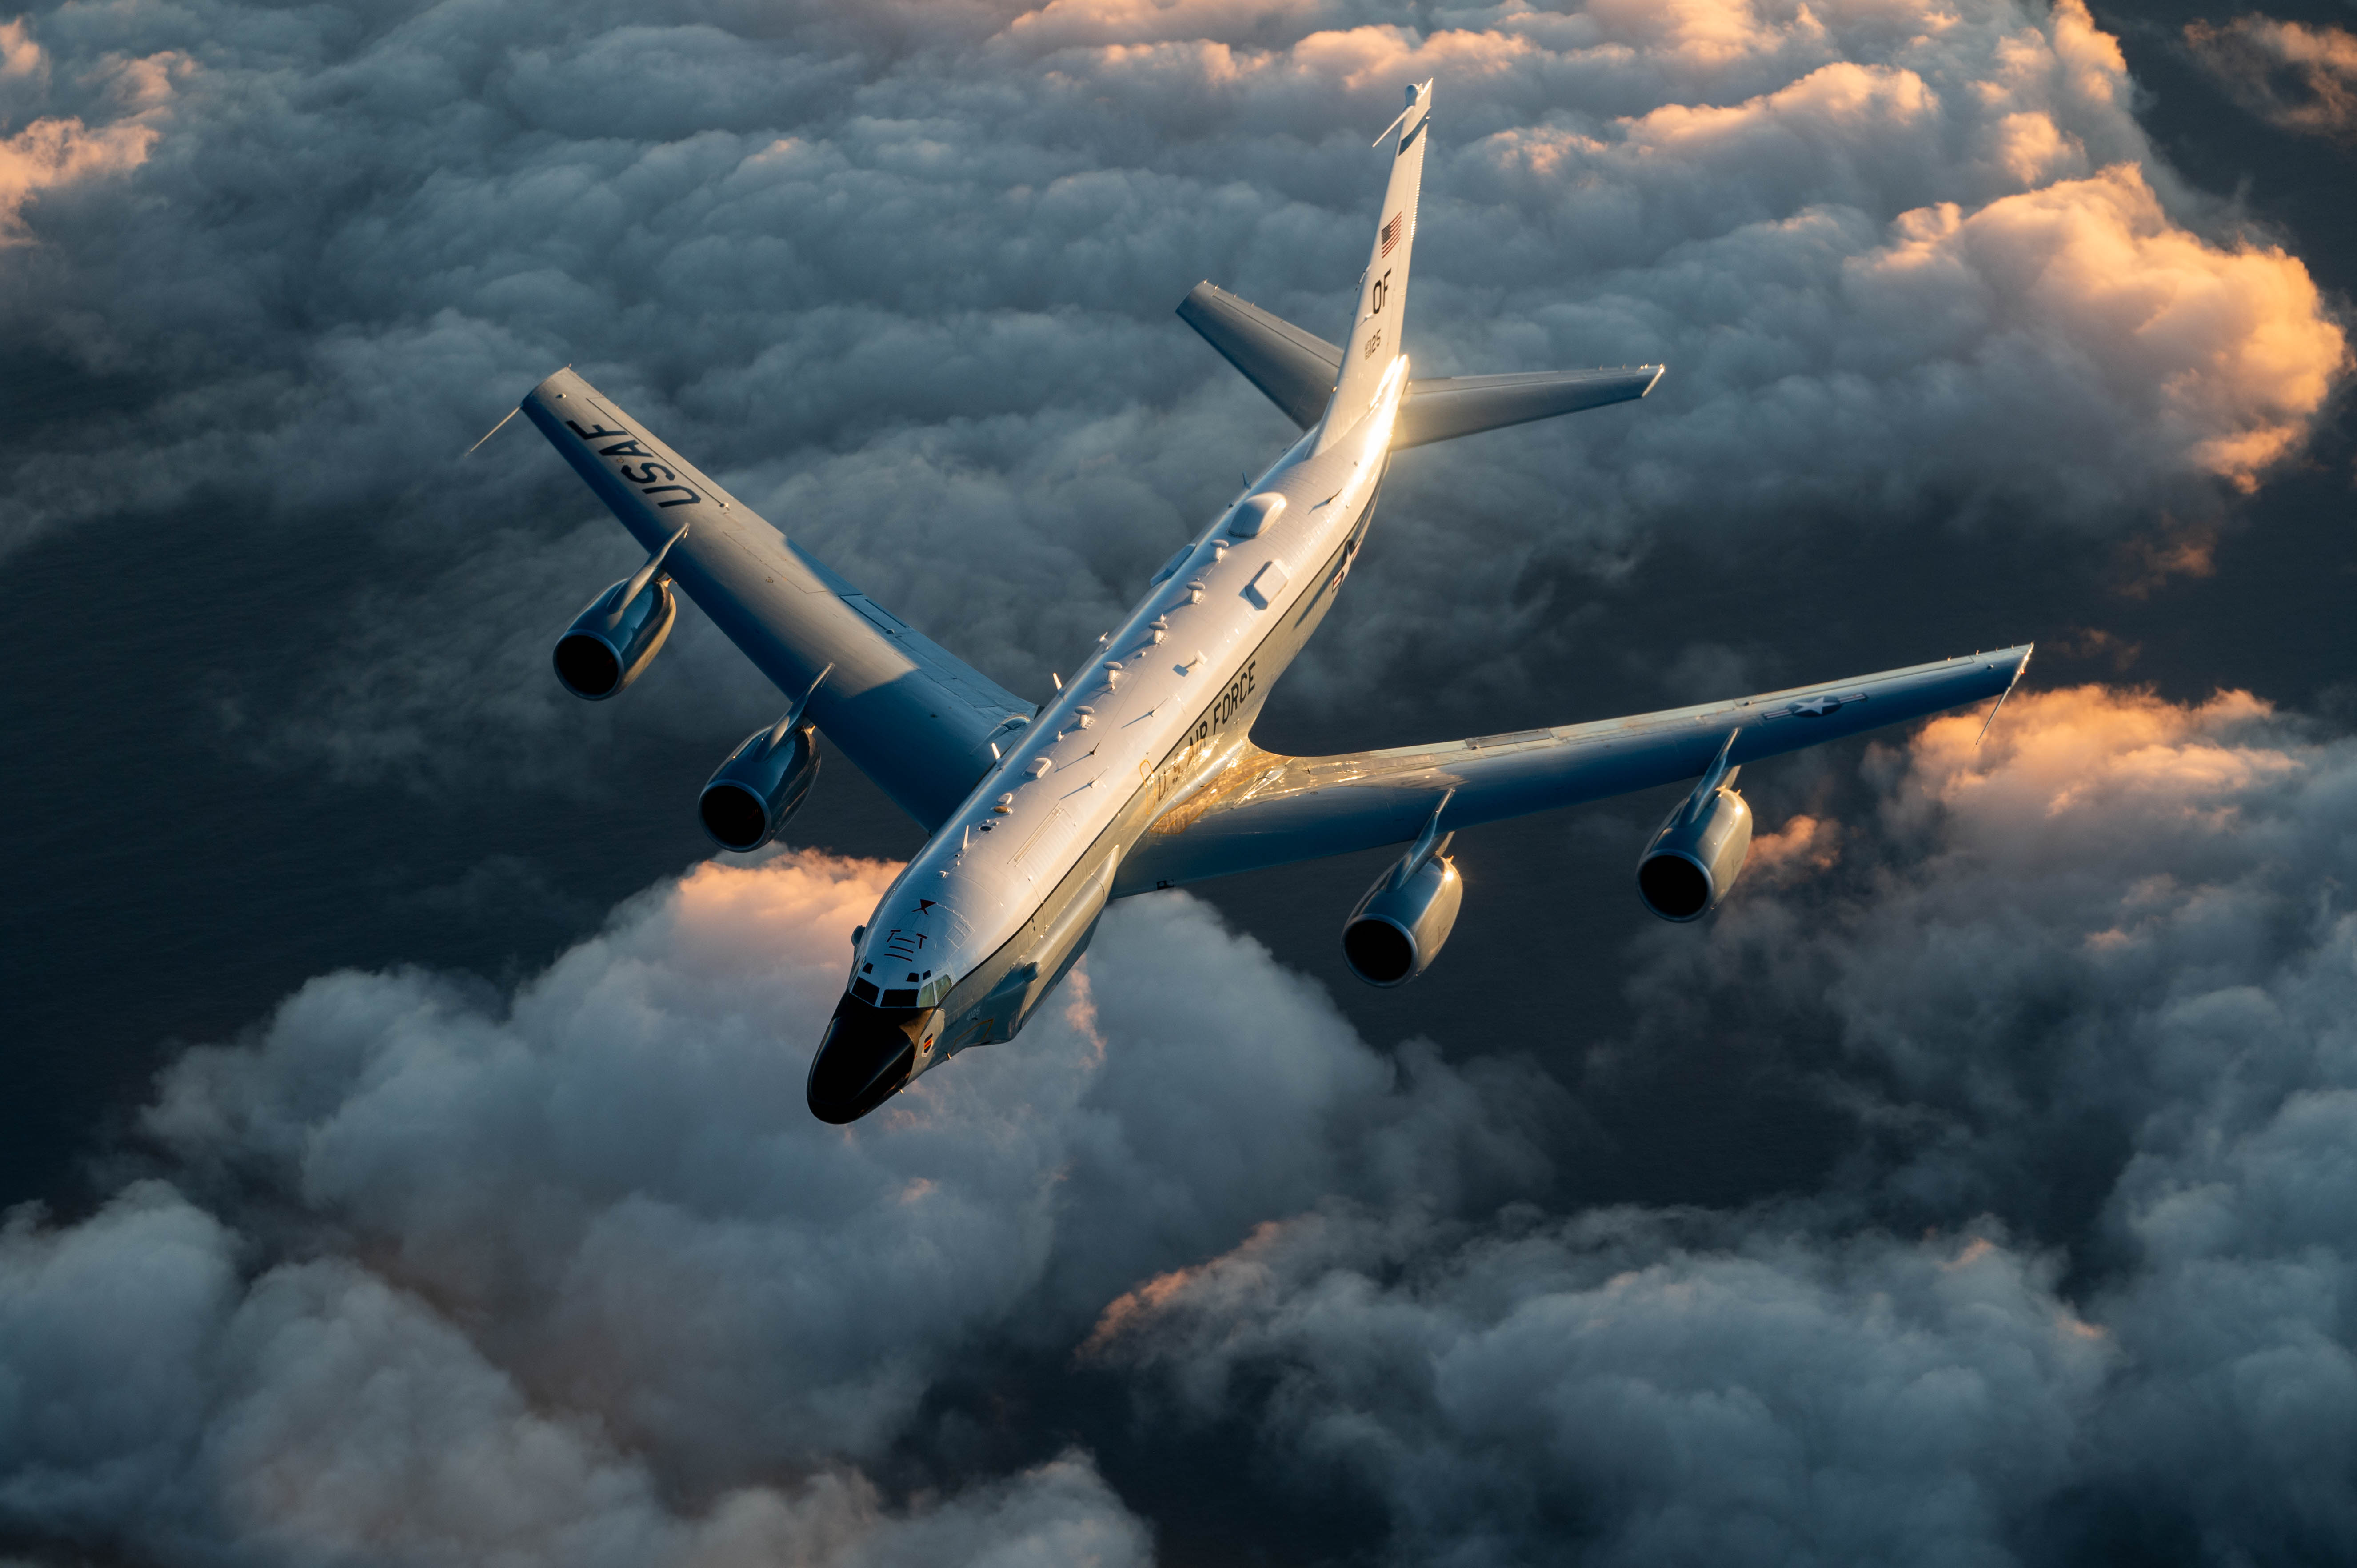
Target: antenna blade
{"x": 2009, "y": 685}
{"x": 494, "y": 430}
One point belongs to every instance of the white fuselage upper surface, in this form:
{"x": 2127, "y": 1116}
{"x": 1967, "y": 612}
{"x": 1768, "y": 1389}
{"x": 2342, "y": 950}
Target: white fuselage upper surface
{"x": 1144, "y": 723}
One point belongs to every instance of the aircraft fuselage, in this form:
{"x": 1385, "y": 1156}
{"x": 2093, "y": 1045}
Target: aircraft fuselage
{"x": 1004, "y": 897}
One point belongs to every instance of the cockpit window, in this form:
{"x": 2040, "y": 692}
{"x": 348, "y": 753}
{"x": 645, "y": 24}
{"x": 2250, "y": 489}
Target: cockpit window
{"x": 863, "y": 989}
{"x": 904, "y": 997}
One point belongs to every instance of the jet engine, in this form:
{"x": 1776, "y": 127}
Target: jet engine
{"x": 614, "y": 639}
{"x": 1396, "y": 931}
{"x": 749, "y": 796}
{"x": 1698, "y": 852}
{"x": 623, "y": 629}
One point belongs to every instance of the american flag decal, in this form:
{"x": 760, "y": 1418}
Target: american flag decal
{"x": 1390, "y": 235}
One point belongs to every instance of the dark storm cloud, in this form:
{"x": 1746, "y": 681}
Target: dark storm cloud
{"x": 447, "y": 1274}
{"x": 2123, "y": 926}
{"x": 2302, "y": 79}
{"x": 905, "y": 280}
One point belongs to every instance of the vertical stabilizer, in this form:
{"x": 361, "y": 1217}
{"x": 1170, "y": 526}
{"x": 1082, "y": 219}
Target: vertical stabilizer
{"x": 1375, "y": 339}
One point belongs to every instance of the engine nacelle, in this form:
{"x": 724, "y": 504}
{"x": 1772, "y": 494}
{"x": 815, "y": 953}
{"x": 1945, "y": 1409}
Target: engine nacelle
{"x": 749, "y": 796}
{"x": 614, "y": 639}
{"x": 1396, "y": 931}
{"x": 1696, "y": 855}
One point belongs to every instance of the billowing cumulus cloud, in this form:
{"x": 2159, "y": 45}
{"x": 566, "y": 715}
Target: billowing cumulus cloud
{"x": 1640, "y": 1389}
{"x": 429, "y": 1270}
{"x": 60, "y": 153}
{"x": 571, "y": 1274}
{"x": 163, "y": 1402}
{"x": 2115, "y": 939}
{"x": 905, "y": 280}
{"x": 423, "y": 1268}
{"x": 2301, "y": 78}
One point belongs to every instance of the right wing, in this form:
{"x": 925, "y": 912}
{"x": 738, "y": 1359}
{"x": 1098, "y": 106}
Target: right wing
{"x": 1266, "y": 809}
{"x": 912, "y": 716}
{"x": 1297, "y": 371}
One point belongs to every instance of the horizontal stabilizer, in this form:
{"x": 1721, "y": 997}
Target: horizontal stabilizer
{"x": 1297, "y": 370}
{"x": 1447, "y": 406}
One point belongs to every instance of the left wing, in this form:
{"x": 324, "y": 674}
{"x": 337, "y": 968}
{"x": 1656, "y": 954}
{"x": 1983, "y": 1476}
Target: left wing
{"x": 1267, "y": 810}
{"x": 910, "y": 715}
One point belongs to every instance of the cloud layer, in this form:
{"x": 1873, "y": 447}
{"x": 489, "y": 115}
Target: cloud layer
{"x": 424, "y": 1270}
{"x": 907, "y": 284}
{"x": 2299, "y": 78}
{"x": 430, "y": 1271}
{"x": 2119, "y": 936}
{"x": 570, "y": 1275}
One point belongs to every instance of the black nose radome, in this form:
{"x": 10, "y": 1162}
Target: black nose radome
{"x": 865, "y": 1057}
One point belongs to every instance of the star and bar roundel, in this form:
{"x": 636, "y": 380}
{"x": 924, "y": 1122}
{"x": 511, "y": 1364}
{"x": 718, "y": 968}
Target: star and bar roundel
{"x": 1815, "y": 707}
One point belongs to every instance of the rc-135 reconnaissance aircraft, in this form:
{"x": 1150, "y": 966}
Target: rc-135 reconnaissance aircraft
{"x": 1141, "y": 774}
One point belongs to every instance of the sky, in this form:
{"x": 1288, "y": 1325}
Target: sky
{"x": 405, "y": 1159}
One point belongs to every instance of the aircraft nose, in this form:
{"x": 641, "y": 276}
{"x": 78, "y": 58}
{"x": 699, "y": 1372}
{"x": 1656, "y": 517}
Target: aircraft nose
{"x": 865, "y": 1057}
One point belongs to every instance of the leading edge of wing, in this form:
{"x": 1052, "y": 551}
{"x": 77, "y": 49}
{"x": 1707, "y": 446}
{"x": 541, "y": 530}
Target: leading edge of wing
{"x": 908, "y": 714}
{"x": 1267, "y": 810}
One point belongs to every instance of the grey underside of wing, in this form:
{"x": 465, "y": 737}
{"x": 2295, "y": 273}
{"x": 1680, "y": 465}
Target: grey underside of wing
{"x": 908, "y": 714}
{"x": 1296, "y": 369}
{"x": 1268, "y": 810}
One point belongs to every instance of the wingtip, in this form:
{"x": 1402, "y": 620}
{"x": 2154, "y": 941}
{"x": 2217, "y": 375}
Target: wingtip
{"x": 1653, "y": 380}
{"x": 2027, "y": 649}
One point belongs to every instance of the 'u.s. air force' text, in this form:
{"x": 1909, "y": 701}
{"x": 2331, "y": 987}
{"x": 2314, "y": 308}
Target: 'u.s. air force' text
{"x": 1233, "y": 700}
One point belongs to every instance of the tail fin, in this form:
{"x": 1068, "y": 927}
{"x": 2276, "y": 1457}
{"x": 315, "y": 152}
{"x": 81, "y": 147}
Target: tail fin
{"x": 1312, "y": 380}
{"x": 1375, "y": 339}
